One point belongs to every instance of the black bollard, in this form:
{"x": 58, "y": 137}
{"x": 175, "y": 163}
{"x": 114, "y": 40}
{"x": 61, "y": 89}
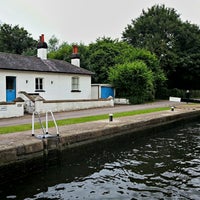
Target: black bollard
{"x": 187, "y": 95}
{"x": 110, "y": 117}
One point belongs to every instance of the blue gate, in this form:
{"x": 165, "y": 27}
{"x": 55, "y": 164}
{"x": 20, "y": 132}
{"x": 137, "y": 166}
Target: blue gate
{"x": 10, "y": 88}
{"x": 107, "y": 92}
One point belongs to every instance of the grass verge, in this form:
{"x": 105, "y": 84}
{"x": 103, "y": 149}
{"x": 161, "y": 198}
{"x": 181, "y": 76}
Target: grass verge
{"x": 26, "y": 127}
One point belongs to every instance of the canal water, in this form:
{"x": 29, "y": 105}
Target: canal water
{"x": 161, "y": 165}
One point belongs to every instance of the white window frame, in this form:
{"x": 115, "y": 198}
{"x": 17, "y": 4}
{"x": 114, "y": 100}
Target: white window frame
{"x": 75, "y": 84}
{"x": 39, "y": 84}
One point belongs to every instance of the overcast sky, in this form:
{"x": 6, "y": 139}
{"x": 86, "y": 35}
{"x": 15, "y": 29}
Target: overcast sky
{"x": 84, "y": 21}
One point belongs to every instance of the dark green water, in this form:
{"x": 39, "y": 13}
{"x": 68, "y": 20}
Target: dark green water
{"x": 164, "y": 165}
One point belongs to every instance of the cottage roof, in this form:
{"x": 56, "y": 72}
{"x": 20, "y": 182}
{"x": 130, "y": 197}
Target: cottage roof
{"x": 31, "y": 63}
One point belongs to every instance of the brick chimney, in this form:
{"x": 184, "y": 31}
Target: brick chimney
{"x": 75, "y": 57}
{"x": 42, "y": 48}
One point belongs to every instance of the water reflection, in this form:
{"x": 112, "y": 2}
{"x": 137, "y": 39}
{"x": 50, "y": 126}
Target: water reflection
{"x": 161, "y": 166}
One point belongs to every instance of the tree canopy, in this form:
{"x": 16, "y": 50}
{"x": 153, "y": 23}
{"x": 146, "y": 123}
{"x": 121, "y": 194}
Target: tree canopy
{"x": 14, "y": 39}
{"x": 106, "y": 53}
{"x": 133, "y": 81}
{"x": 64, "y": 51}
{"x": 102, "y": 56}
{"x": 53, "y": 43}
{"x": 176, "y": 43}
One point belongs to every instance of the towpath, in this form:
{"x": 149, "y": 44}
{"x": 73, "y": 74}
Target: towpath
{"x": 88, "y": 112}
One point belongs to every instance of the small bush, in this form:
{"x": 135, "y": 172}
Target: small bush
{"x": 133, "y": 81}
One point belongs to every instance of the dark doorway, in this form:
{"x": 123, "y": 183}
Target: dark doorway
{"x": 10, "y": 88}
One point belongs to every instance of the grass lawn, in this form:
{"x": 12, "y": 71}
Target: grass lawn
{"x": 25, "y": 127}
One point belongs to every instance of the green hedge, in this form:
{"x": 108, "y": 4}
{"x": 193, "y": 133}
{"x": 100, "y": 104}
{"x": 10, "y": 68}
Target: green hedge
{"x": 165, "y": 93}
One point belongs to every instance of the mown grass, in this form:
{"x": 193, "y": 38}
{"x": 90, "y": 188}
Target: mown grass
{"x": 25, "y": 127}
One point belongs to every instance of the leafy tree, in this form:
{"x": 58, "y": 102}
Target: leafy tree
{"x": 16, "y": 40}
{"x": 152, "y": 63}
{"x": 154, "y": 30}
{"x": 64, "y": 52}
{"x": 133, "y": 81}
{"x": 187, "y": 73}
{"x": 161, "y": 31}
{"x": 106, "y": 53}
{"x": 102, "y": 56}
{"x": 30, "y": 51}
{"x": 53, "y": 44}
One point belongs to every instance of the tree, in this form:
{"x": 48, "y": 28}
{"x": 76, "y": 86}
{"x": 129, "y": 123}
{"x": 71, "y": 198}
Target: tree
{"x": 151, "y": 62}
{"x": 133, "y": 81}
{"x": 102, "y": 55}
{"x": 161, "y": 31}
{"x": 187, "y": 73}
{"x": 64, "y": 52}
{"x": 53, "y": 43}
{"x": 106, "y": 53}
{"x": 16, "y": 40}
{"x": 154, "y": 30}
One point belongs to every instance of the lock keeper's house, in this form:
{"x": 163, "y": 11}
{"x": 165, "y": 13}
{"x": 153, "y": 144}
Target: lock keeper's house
{"x": 30, "y": 83}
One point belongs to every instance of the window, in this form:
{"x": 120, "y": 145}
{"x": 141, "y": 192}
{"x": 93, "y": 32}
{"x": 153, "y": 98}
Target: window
{"x": 39, "y": 84}
{"x": 75, "y": 84}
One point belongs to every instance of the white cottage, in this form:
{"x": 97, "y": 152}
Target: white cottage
{"x": 51, "y": 79}
{"x": 30, "y": 78}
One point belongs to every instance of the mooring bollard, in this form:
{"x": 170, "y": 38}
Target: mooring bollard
{"x": 172, "y": 108}
{"x": 110, "y": 117}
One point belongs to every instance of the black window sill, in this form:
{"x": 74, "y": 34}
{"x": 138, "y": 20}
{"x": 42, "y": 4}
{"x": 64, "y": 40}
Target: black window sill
{"x": 39, "y": 90}
{"x": 75, "y": 90}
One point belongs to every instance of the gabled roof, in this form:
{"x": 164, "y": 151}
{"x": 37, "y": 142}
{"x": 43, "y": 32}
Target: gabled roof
{"x": 31, "y": 63}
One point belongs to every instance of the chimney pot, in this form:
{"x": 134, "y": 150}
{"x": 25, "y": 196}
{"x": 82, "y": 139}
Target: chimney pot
{"x": 75, "y": 57}
{"x": 42, "y": 38}
{"x": 75, "y": 49}
{"x": 42, "y": 48}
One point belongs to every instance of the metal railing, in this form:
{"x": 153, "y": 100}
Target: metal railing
{"x": 45, "y": 130}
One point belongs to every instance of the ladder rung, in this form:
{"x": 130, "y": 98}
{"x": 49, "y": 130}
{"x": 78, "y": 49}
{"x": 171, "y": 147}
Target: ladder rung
{"x": 44, "y": 130}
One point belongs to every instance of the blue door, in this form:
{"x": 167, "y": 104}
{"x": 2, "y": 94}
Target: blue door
{"x": 10, "y": 88}
{"x": 107, "y": 92}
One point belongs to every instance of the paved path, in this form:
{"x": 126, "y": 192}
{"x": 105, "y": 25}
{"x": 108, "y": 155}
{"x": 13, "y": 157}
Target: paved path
{"x": 88, "y": 112}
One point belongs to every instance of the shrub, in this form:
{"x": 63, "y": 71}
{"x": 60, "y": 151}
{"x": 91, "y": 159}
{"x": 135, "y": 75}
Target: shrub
{"x": 133, "y": 81}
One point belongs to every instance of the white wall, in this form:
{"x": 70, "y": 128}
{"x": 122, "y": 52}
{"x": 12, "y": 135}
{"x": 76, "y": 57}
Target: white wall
{"x": 11, "y": 110}
{"x": 43, "y": 107}
{"x": 2, "y": 88}
{"x": 57, "y": 86}
{"x": 96, "y": 92}
{"x": 121, "y": 101}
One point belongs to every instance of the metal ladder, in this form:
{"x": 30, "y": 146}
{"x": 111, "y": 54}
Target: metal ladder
{"x": 45, "y": 130}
